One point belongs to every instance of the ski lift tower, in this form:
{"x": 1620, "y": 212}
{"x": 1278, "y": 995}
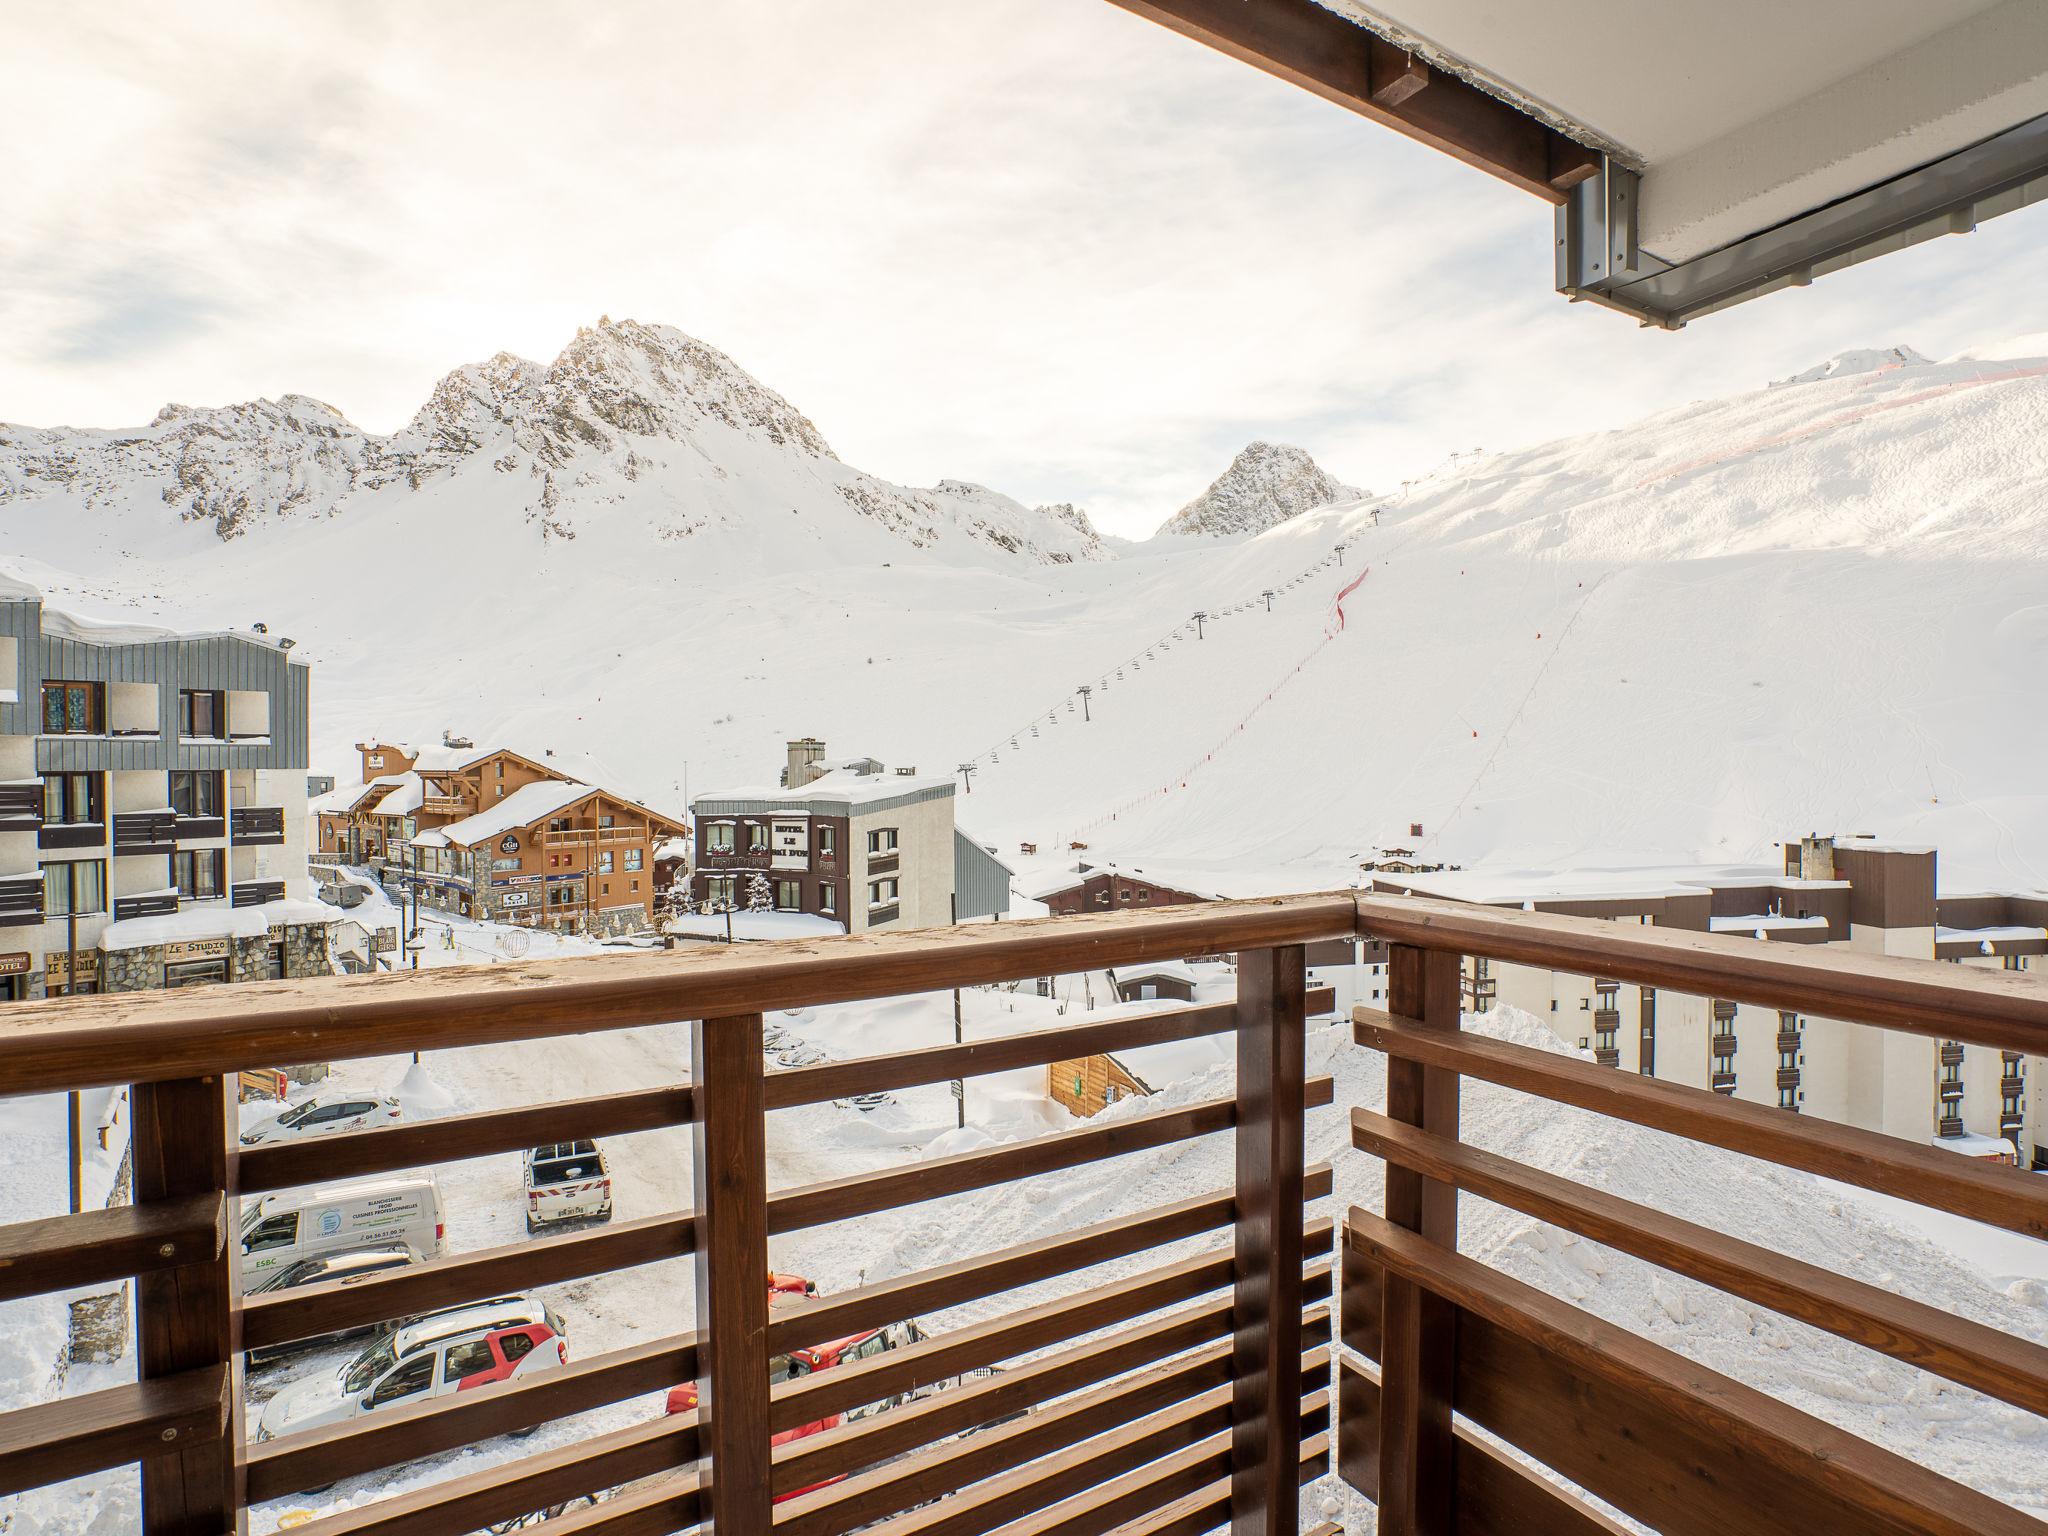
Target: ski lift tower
{"x": 1200, "y": 615}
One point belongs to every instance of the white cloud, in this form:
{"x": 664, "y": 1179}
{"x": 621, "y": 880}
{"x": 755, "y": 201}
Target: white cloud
{"x": 1038, "y": 243}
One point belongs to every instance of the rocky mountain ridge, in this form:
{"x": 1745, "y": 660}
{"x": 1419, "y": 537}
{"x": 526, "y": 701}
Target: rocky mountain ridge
{"x": 1266, "y": 484}
{"x": 628, "y": 413}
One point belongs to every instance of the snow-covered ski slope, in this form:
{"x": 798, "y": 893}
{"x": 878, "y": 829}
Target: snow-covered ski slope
{"x": 1819, "y": 606}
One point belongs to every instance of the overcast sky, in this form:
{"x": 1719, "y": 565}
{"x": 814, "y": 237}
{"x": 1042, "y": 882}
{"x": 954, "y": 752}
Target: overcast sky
{"x": 1041, "y": 244}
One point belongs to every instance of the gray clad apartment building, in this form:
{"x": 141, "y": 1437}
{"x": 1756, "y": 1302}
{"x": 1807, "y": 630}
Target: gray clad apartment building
{"x": 152, "y": 807}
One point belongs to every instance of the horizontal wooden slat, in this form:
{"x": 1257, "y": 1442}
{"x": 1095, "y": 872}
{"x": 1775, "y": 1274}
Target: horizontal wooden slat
{"x": 1207, "y": 1509}
{"x": 56, "y": 1253}
{"x": 327, "y": 1159}
{"x": 942, "y": 1063}
{"x": 68, "y": 1042}
{"x": 2006, "y": 1367}
{"x": 1023, "y": 1466}
{"x": 1662, "y": 1438}
{"x": 2003, "y": 1196}
{"x": 655, "y": 1508}
{"x": 1497, "y": 1495}
{"x": 811, "y": 1398}
{"x": 333, "y": 1305}
{"x": 930, "y": 1290}
{"x": 391, "y": 1436}
{"x": 867, "y": 1442}
{"x": 2005, "y": 1009}
{"x": 68, "y": 1437}
{"x": 865, "y": 1194}
{"x": 1172, "y": 1496}
{"x": 460, "y": 1505}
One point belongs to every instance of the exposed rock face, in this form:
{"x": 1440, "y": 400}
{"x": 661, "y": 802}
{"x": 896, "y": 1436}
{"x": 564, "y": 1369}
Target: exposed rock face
{"x": 627, "y": 413}
{"x": 1265, "y": 485}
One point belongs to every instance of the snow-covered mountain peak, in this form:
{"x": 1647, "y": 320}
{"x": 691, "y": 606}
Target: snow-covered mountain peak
{"x": 1266, "y": 484}
{"x": 1857, "y": 360}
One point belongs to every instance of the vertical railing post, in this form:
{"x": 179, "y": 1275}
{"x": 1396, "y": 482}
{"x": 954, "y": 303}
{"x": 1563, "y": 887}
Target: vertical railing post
{"x": 731, "y": 1166}
{"x": 1265, "y": 1442}
{"x": 1418, "y": 1495}
{"x": 185, "y": 1141}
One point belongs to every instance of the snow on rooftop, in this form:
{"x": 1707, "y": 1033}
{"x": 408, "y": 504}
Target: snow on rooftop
{"x": 1162, "y": 970}
{"x": 841, "y": 786}
{"x": 214, "y": 921}
{"x": 1970, "y": 1144}
{"x": 522, "y": 808}
{"x": 2000, "y": 933}
{"x": 1762, "y": 923}
{"x": 673, "y": 848}
{"x": 755, "y": 925}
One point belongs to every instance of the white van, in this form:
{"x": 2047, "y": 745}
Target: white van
{"x": 293, "y": 1224}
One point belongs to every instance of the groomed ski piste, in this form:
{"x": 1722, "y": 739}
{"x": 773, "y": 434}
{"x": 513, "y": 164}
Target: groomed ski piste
{"x": 1816, "y": 607}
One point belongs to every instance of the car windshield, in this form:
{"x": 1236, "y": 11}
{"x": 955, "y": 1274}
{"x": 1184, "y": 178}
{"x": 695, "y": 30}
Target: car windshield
{"x": 294, "y": 1116}
{"x": 368, "y": 1366}
{"x": 251, "y": 1215}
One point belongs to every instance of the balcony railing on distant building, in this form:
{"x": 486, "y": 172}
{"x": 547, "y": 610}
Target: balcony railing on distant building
{"x": 1190, "y": 1392}
{"x": 21, "y": 805}
{"x": 145, "y": 832}
{"x": 256, "y": 826}
{"x": 21, "y": 899}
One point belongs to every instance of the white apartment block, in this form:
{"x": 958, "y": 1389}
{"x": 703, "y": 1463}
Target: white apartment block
{"x": 152, "y": 807}
{"x": 1855, "y": 893}
{"x": 851, "y": 843}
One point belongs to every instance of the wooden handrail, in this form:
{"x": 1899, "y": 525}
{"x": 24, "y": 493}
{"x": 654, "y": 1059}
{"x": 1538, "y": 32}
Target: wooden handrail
{"x": 1995, "y": 1363}
{"x": 64, "y": 1043}
{"x": 2002, "y": 1196}
{"x": 2005, "y": 1009}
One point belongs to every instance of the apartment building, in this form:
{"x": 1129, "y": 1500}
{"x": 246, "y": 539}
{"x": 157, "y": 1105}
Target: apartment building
{"x": 152, "y": 807}
{"x": 493, "y": 833}
{"x": 1856, "y": 893}
{"x": 852, "y": 842}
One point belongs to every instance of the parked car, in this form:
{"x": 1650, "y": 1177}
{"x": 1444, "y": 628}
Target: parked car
{"x": 435, "y": 1355}
{"x": 775, "y": 1038}
{"x": 865, "y": 1101}
{"x": 801, "y": 1056}
{"x": 324, "y": 1116}
{"x": 566, "y": 1181}
{"x": 343, "y": 1268}
{"x": 399, "y": 1211}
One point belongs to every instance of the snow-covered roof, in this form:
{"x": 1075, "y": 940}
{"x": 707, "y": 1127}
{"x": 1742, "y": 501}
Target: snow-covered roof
{"x": 1763, "y": 924}
{"x": 673, "y": 848}
{"x": 214, "y": 921}
{"x": 755, "y": 925}
{"x": 1159, "y": 970}
{"x": 2007, "y": 933}
{"x": 1970, "y": 1144}
{"x": 840, "y": 787}
{"x": 522, "y": 808}
{"x": 1193, "y": 882}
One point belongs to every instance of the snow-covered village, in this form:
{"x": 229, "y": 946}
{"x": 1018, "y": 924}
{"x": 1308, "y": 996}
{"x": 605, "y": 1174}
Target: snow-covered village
{"x": 1256, "y": 766}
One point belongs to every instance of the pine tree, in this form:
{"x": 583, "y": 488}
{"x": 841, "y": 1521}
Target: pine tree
{"x": 759, "y": 897}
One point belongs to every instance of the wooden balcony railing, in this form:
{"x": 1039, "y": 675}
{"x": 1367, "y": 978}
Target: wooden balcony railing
{"x": 145, "y": 832}
{"x": 1190, "y": 1392}
{"x": 21, "y": 805}
{"x": 255, "y": 826}
{"x": 21, "y": 900}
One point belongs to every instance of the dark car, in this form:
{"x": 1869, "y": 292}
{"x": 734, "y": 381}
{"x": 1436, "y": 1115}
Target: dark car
{"x": 352, "y": 1264}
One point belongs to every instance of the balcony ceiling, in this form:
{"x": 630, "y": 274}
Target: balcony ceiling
{"x": 1744, "y": 114}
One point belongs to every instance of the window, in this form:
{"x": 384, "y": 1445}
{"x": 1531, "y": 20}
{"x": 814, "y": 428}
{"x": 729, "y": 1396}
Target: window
{"x": 632, "y": 859}
{"x": 198, "y": 872}
{"x": 416, "y": 1375}
{"x": 718, "y": 837}
{"x": 882, "y": 840}
{"x": 277, "y": 1232}
{"x": 203, "y": 713}
{"x": 632, "y": 885}
{"x": 828, "y": 897}
{"x": 719, "y": 891}
{"x": 71, "y": 798}
{"x": 196, "y": 794}
{"x": 604, "y": 861}
{"x": 828, "y": 841}
{"x": 501, "y": 791}
{"x": 604, "y": 821}
{"x": 501, "y": 773}
{"x": 881, "y": 892}
{"x": 72, "y": 709}
{"x": 757, "y": 837}
{"x": 517, "y": 1347}
{"x": 467, "y": 1358}
{"x": 77, "y": 888}
{"x": 788, "y": 896}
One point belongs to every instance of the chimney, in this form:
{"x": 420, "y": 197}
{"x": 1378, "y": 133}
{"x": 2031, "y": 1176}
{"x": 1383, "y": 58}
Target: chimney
{"x": 806, "y": 762}
{"x": 1816, "y": 859}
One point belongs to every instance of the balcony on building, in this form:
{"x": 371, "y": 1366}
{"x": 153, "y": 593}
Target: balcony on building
{"x": 21, "y": 899}
{"x": 146, "y": 904}
{"x": 256, "y": 826}
{"x": 253, "y": 893}
{"x": 145, "y": 832}
{"x": 21, "y": 805}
